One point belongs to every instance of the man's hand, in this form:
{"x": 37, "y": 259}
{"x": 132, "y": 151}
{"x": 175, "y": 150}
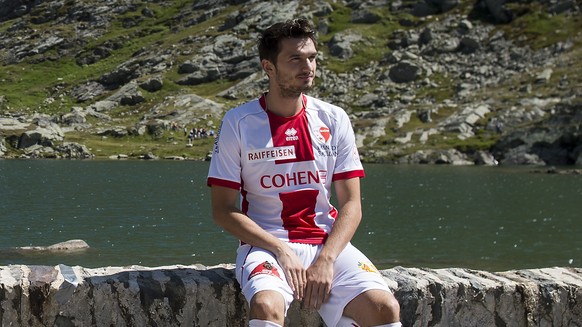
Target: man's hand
{"x": 319, "y": 277}
{"x": 294, "y": 271}
{"x": 320, "y": 273}
{"x": 227, "y": 215}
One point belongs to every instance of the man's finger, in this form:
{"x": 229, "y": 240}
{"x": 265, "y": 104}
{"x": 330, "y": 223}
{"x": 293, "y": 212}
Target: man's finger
{"x": 307, "y": 296}
{"x": 301, "y": 286}
{"x": 321, "y": 296}
{"x": 327, "y": 293}
{"x": 313, "y": 297}
{"x": 297, "y": 285}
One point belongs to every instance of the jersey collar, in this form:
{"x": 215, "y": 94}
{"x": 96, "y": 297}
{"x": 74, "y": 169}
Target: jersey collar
{"x": 263, "y": 101}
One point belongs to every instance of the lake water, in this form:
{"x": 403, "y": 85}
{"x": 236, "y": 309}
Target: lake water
{"x": 158, "y": 213}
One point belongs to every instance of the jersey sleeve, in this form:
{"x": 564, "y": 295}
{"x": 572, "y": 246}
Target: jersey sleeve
{"x": 225, "y": 165}
{"x": 348, "y": 164}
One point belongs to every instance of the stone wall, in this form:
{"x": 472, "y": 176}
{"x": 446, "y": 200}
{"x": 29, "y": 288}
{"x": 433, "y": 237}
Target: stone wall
{"x": 196, "y": 295}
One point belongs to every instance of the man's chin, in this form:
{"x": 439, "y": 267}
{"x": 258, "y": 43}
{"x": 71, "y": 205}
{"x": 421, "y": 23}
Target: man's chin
{"x": 307, "y": 87}
{"x": 296, "y": 91}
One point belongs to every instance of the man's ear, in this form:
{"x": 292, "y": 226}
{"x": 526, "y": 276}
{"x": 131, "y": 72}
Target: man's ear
{"x": 268, "y": 66}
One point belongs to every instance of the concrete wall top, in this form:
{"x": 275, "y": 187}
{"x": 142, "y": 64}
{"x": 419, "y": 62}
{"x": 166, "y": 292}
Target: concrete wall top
{"x": 198, "y": 295}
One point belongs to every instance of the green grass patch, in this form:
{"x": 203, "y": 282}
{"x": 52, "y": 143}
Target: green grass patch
{"x": 206, "y": 90}
{"x": 473, "y": 144}
{"x": 169, "y": 144}
{"x": 339, "y": 20}
{"x": 27, "y": 86}
{"x": 373, "y": 46}
{"x": 444, "y": 89}
{"x": 539, "y": 29}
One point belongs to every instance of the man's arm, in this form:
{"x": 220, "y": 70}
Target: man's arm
{"x": 228, "y": 216}
{"x": 320, "y": 273}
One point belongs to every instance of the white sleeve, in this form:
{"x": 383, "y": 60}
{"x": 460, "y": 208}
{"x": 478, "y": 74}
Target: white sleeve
{"x": 225, "y": 165}
{"x": 348, "y": 162}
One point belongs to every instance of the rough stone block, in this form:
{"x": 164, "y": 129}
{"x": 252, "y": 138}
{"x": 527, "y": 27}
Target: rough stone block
{"x": 63, "y": 296}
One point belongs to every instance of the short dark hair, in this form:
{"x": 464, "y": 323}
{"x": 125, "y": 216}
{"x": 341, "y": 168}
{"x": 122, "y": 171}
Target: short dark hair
{"x": 270, "y": 39}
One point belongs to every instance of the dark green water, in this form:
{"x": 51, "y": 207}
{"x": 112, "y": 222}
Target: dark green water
{"x": 157, "y": 213}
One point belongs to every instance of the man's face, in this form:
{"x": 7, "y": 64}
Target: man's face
{"x": 294, "y": 71}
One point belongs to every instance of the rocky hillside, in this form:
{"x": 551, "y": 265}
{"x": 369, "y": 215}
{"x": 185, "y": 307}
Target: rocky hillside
{"x": 433, "y": 81}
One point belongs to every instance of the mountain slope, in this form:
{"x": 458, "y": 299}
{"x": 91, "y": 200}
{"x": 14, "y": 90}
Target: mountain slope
{"x": 438, "y": 81}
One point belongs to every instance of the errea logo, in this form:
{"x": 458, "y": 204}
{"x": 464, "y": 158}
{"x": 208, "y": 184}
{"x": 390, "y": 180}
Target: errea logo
{"x": 291, "y": 134}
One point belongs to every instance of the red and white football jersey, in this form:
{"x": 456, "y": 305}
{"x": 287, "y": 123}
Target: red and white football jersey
{"x": 284, "y": 166}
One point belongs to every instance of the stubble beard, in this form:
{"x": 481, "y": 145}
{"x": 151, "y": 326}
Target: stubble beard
{"x": 290, "y": 91}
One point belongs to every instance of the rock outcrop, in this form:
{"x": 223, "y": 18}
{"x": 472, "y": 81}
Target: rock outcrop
{"x": 66, "y": 246}
{"x": 209, "y": 296}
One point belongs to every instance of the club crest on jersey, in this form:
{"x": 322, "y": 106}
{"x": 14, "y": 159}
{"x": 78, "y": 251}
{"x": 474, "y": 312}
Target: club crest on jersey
{"x": 322, "y": 134}
{"x": 291, "y": 134}
{"x": 265, "y": 268}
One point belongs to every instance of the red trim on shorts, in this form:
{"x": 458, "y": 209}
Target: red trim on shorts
{"x": 242, "y": 266}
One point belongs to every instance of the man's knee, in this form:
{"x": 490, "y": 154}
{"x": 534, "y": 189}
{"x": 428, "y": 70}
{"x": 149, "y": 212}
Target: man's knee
{"x": 268, "y": 305}
{"x": 374, "y": 307}
{"x": 392, "y": 306}
{"x": 386, "y": 305}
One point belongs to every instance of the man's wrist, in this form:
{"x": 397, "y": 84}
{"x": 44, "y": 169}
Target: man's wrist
{"x": 326, "y": 258}
{"x": 280, "y": 249}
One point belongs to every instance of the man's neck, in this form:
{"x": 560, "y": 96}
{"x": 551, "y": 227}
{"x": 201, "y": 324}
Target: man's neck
{"x": 283, "y": 106}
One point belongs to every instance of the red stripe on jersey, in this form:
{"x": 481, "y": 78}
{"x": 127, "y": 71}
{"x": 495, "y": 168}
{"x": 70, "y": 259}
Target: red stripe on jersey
{"x": 244, "y": 202}
{"x": 222, "y": 182}
{"x": 298, "y": 215}
{"x": 291, "y": 131}
{"x": 348, "y": 175}
{"x": 333, "y": 213}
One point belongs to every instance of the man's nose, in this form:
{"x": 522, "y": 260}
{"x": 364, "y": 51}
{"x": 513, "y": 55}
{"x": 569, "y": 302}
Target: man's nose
{"x": 308, "y": 65}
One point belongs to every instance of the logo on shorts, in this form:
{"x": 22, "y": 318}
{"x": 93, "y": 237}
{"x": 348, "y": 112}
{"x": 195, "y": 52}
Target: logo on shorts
{"x": 369, "y": 267}
{"x": 265, "y": 268}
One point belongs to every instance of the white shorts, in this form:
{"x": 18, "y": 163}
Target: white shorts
{"x": 258, "y": 270}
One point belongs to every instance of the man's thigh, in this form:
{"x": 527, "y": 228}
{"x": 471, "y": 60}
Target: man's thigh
{"x": 354, "y": 275}
{"x": 257, "y": 270}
